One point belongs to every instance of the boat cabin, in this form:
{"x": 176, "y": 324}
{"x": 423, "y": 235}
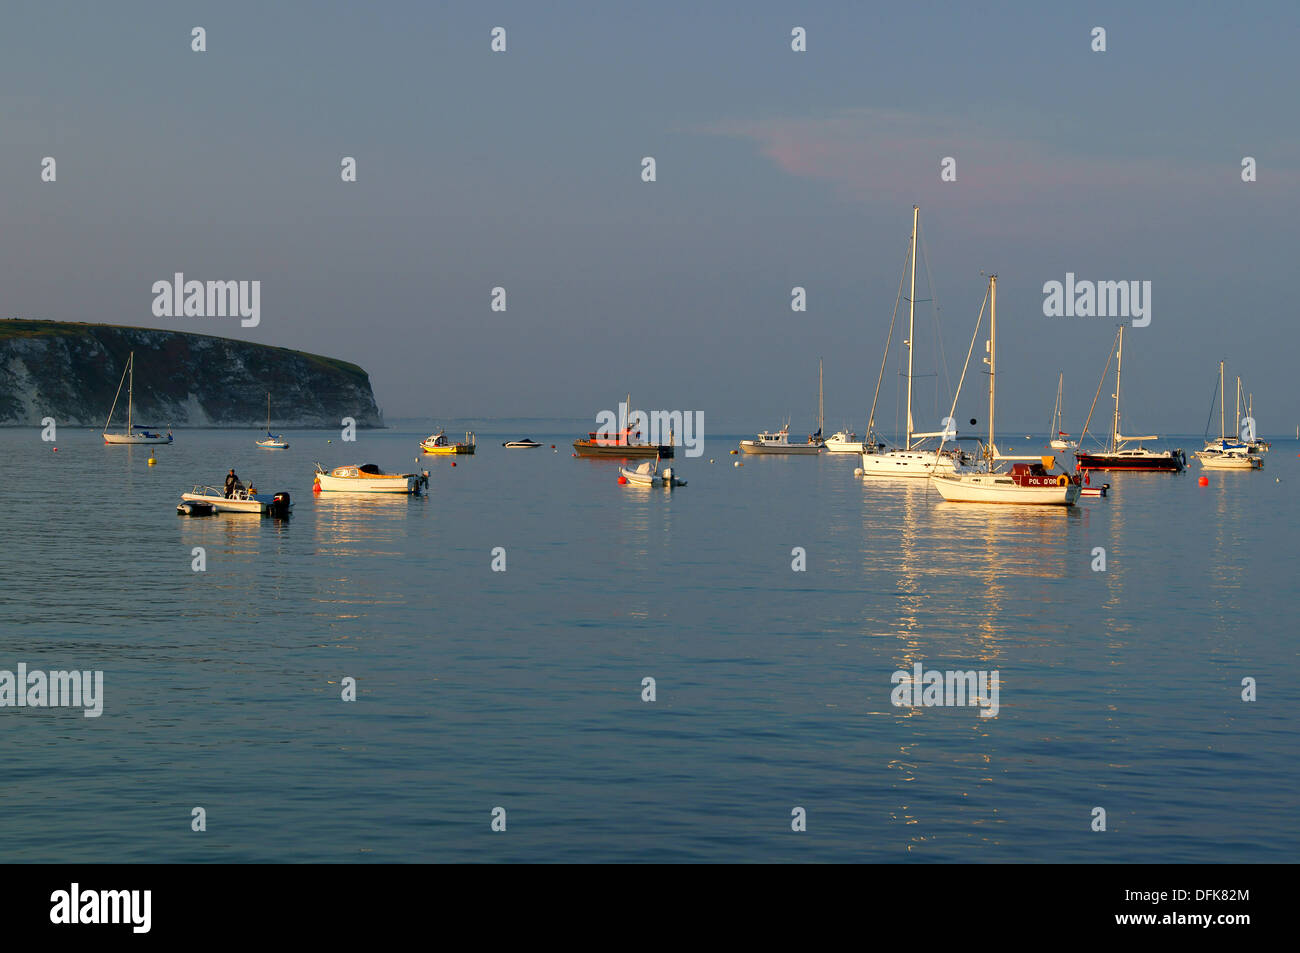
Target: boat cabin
{"x": 1035, "y": 474}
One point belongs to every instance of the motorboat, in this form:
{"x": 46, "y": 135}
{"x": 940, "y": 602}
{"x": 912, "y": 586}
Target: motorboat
{"x": 134, "y": 433}
{"x": 205, "y": 500}
{"x": 844, "y": 441}
{"x": 779, "y": 443}
{"x": 621, "y": 444}
{"x": 438, "y": 443}
{"x": 368, "y": 478}
{"x": 524, "y": 444}
{"x": 649, "y": 474}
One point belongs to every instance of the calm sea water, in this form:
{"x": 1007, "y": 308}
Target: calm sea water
{"x": 522, "y": 689}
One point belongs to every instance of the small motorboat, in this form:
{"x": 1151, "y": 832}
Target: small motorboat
{"x": 438, "y": 443}
{"x": 207, "y": 500}
{"x": 368, "y": 478}
{"x": 524, "y": 444}
{"x": 648, "y": 474}
{"x": 1094, "y": 491}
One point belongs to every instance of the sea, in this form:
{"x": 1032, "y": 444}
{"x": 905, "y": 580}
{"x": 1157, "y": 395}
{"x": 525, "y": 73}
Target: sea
{"x": 548, "y": 666}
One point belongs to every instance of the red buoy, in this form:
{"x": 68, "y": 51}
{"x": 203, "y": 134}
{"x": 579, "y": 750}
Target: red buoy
{"x": 621, "y": 479}
{"x": 453, "y": 463}
{"x": 1204, "y": 481}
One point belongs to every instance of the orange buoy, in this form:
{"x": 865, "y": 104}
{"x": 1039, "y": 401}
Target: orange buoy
{"x": 1204, "y": 481}
{"x": 453, "y": 463}
{"x": 621, "y": 479}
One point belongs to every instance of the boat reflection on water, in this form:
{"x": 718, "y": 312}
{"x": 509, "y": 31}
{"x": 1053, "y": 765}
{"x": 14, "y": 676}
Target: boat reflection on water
{"x": 364, "y": 524}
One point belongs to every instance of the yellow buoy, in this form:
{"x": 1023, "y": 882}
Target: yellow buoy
{"x": 152, "y": 461}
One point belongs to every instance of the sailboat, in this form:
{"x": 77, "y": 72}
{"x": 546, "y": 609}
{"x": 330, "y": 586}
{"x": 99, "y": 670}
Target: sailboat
{"x": 272, "y": 441}
{"x": 1225, "y": 454}
{"x": 1116, "y": 456}
{"x": 1058, "y": 441}
{"x": 1255, "y": 443}
{"x": 1030, "y": 481}
{"x": 134, "y": 433}
{"x": 909, "y": 460}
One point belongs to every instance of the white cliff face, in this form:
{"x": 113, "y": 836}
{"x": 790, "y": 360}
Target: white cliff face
{"x": 71, "y": 372}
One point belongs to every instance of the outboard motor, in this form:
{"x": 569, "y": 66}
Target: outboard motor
{"x": 280, "y": 504}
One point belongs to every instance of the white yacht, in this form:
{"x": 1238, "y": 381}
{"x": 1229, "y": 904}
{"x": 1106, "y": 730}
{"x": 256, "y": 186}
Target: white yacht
{"x": 910, "y": 460}
{"x": 844, "y": 441}
{"x": 134, "y": 433}
{"x": 1030, "y": 481}
{"x": 1225, "y": 454}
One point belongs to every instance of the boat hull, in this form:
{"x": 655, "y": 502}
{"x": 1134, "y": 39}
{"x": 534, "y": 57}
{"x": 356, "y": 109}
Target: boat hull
{"x": 454, "y": 449}
{"x": 135, "y": 438}
{"x": 793, "y": 449}
{"x": 905, "y": 463}
{"x": 396, "y": 483}
{"x": 272, "y": 444}
{"x": 588, "y": 448}
{"x": 1229, "y": 461}
{"x": 1166, "y": 462}
{"x": 844, "y": 446}
{"x": 1000, "y": 488}
{"x": 260, "y": 504}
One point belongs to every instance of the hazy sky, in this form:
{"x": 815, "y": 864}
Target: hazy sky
{"x": 775, "y": 168}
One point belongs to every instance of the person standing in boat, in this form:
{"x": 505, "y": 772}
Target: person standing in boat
{"x": 232, "y": 482}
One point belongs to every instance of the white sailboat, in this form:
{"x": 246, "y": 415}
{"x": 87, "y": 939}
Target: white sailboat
{"x": 272, "y": 441}
{"x": 910, "y": 460}
{"x": 1058, "y": 441}
{"x": 1030, "y": 481}
{"x": 1225, "y": 454}
{"x": 134, "y": 433}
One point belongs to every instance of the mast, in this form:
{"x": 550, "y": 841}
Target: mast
{"x": 1056, "y": 417}
{"x": 993, "y": 358}
{"x": 911, "y": 326}
{"x": 1238, "y": 434}
{"x": 268, "y": 412}
{"x": 130, "y": 388}
{"x": 819, "y": 396}
{"x": 1223, "y": 427}
{"x": 1119, "y": 362}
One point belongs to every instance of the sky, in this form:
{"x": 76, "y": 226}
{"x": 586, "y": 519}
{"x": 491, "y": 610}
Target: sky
{"x": 775, "y": 169}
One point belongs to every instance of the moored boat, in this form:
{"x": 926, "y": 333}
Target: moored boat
{"x": 1030, "y": 481}
{"x": 1117, "y": 455}
{"x": 272, "y": 441}
{"x": 844, "y": 441}
{"x": 524, "y": 444}
{"x": 1225, "y": 454}
{"x": 620, "y": 444}
{"x": 368, "y": 478}
{"x": 134, "y": 433}
{"x": 438, "y": 443}
{"x": 913, "y": 459}
{"x": 779, "y": 443}
{"x": 649, "y": 474}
